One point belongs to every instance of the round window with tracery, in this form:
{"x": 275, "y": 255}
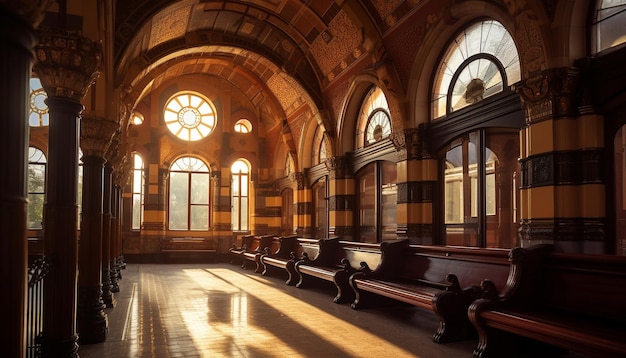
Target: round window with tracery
{"x": 190, "y": 116}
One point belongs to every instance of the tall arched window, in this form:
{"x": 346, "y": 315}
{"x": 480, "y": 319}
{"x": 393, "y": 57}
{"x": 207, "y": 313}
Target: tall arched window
{"x": 479, "y": 154}
{"x": 36, "y": 187}
{"x": 139, "y": 181}
{"x": 610, "y": 24}
{"x": 240, "y": 172}
{"x": 374, "y": 123}
{"x": 189, "y": 182}
{"x": 190, "y": 116}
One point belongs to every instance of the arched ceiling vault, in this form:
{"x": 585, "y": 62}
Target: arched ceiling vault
{"x": 284, "y": 55}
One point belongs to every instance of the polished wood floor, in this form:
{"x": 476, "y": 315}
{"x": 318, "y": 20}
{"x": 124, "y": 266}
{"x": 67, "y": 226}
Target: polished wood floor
{"x": 221, "y": 310}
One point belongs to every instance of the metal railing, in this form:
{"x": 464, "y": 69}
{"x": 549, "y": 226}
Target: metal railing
{"x": 37, "y": 271}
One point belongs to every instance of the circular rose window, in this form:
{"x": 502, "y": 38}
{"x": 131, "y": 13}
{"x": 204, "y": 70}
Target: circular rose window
{"x": 189, "y": 116}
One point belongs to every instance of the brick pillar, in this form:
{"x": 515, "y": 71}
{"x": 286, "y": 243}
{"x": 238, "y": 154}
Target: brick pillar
{"x": 341, "y": 199}
{"x": 417, "y": 178}
{"x": 303, "y": 201}
{"x": 562, "y": 191}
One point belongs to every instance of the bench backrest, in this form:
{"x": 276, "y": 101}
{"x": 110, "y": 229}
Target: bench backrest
{"x": 284, "y": 246}
{"x": 259, "y": 243}
{"x": 469, "y": 265}
{"x": 583, "y": 285}
{"x": 358, "y": 252}
{"x": 308, "y": 246}
{"x": 246, "y": 241}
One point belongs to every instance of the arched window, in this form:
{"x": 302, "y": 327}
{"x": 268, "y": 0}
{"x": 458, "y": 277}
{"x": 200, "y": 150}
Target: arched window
{"x": 36, "y": 187}
{"x": 479, "y": 63}
{"x": 38, "y": 115}
{"x": 139, "y": 181}
{"x": 610, "y": 24}
{"x": 479, "y": 156}
{"x": 374, "y": 123}
{"x": 320, "y": 148}
{"x": 189, "y": 180}
{"x": 240, "y": 172}
{"x": 190, "y": 116}
{"x": 243, "y": 126}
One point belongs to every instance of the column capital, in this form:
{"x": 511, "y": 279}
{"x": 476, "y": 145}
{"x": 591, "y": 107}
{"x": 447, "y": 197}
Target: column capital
{"x": 67, "y": 63}
{"x": 337, "y": 166}
{"x": 96, "y": 134}
{"x": 551, "y": 93}
{"x": 410, "y": 143}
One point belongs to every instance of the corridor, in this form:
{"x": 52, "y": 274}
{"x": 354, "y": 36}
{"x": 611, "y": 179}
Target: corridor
{"x": 221, "y": 310}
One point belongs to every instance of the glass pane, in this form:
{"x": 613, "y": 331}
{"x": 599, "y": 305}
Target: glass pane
{"x": 611, "y": 26}
{"x": 234, "y": 188}
{"x": 367, "y": 204}
{"x": 199, "y": 217}
{"x": 389, "y": 201}
{"x": 200, "y": 188}
{"x": 244, "y": 214}
{"x": 35, "y": 211}
{"x": 137, "y": 201}
{"x": 244, "y": 185}
{"x": 178, "y": 209}
{"x": 235, "y": 213}
{"x": 36, "y": 178}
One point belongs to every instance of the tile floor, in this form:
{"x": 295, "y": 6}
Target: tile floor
{"x": 221, "y": 310}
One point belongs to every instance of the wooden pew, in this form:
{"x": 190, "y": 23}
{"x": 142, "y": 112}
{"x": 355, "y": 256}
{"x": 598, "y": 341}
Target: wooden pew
{"x": 282, "y": 255}
{"x": 253, "y": 252}
{"x": 236, "y": 252}
{"x": 442, "y": 279}
{"x": 572, "y": 301}
{"x": 336, "y": 260}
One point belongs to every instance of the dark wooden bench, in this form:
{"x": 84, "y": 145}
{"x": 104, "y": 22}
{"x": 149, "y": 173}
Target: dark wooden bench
{"x": 236, "y": 252}
{"x": 253, "y": 252}
{"x": 442, "y": 279}
{"x": 282, "y": 254}
{"x": 335, "y": 261}
{"x": 572, "y": 301}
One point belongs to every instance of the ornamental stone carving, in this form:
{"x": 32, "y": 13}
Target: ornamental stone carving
{"x": 410, "y": 143}
{"x": 67, "y": 63}
{"x": 551, "y": 94}
{"x": 337, "y": 166}
{"x": 96, "y": 134}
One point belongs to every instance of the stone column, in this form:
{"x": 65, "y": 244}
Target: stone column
{"x": 95, "y": 137}
{"x": 107, "y": 295}
{"x": 417, "y": 178}
{"x": 17, "y": 39}
{"x": 67, "y": 65}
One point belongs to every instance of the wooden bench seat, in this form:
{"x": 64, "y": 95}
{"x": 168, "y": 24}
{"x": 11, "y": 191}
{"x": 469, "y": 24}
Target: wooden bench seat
{"x": 336, "y": 260}
{"x": 442, "y": 279}
{"x": 282, "y": 255}
{"x": 251, "y": 250}
{"x": 571, "y": 301}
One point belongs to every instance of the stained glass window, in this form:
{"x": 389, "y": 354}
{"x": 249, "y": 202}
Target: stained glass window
{"x": 190, "y": 116}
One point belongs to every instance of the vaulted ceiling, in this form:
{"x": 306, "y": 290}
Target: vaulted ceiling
{"x": 274, "y": 51}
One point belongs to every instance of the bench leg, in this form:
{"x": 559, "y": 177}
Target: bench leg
{"x": 454, "y": 324}
{"x": 344, "y": 291}
{"x": 291, "y": 271}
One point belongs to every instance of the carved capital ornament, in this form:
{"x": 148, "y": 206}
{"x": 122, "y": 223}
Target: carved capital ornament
{"x": 96, "y": 135}
{"x": 67, "y": 63}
